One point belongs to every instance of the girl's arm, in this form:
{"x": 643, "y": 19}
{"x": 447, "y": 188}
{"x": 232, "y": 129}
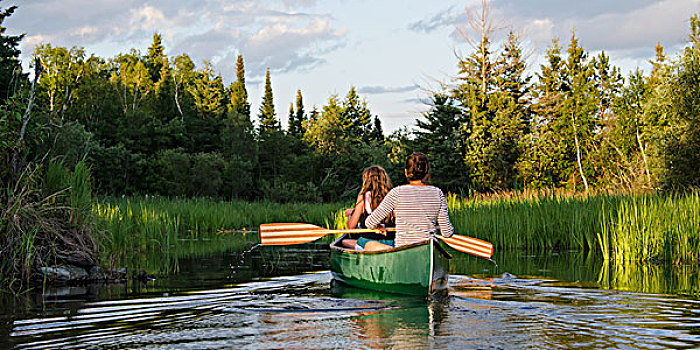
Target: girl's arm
{"x": 357, "y": 212}
{"x": 443, "y": 217}
{"x": 383, "y": 210}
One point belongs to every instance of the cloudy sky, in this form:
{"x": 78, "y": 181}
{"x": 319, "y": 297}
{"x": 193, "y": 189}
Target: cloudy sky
{"x": 392, "y": 51}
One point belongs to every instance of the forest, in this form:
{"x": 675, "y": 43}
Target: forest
{"x": 140, "y": 124}
{"x": 146, "y": 123}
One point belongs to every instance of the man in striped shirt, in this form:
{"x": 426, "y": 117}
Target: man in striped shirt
{"x": 420, "y": 209}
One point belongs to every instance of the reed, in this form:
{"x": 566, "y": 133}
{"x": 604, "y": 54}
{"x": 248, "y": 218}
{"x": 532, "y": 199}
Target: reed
{"x": 622, "y": 227}
{"x": 159, "y": 226}
{"x": 655, "y": 227}
{"x": 629, "y": 227}
{"x": 531, "y": 222}
{"x": 44, "y": 220}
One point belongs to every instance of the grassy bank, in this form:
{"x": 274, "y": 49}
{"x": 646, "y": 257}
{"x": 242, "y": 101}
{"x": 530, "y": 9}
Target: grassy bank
{"x": 45, "y": 219}
{"x": 643, "y": 227}
{"x": 133, "y": 228}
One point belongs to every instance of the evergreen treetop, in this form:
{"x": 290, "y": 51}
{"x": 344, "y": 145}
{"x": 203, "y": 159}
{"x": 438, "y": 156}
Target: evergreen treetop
{"x": 9, "y": 56}
{"x": 266, "y": 114}
{"x": 239, "y": 94}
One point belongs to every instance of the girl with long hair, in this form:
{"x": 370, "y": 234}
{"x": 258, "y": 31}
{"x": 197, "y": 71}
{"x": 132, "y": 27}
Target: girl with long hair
{"x": 375, "y": 186}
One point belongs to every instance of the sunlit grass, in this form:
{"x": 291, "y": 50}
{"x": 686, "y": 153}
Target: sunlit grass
{"x": 148, "y": 233}
{"x": 631, "y": 227}
{"x": 655, "y": 227}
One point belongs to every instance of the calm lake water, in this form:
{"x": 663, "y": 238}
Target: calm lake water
{"x": 274, "y": 298}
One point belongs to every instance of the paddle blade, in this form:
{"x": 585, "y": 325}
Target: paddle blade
{"x": 469, "y": 245}
{"x": 291, "y": 233}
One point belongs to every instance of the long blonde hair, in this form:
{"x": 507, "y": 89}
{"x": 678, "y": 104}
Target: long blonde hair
{"x": 377, "y": 182}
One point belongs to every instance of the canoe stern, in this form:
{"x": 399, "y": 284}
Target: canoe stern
{"x": 416, "y": 269}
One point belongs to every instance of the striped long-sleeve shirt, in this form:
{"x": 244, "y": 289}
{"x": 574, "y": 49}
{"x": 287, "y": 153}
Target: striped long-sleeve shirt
{"x": 421, "y": 211}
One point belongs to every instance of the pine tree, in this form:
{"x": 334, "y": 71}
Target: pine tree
{"x": 356, "y": 118}
{"x": 439, "y": 136}
{"x": 509, "y": 106}
{"x": 326, "y": 131}
{"x": 568, "y": 125}
{"x": 476, "y": 85}
{"x": 239, "y": 94}
{"x": 12, "y": 123}
{"x": 238, "y": 137}
{"x": 266, "y": 115}
{"x": 546, "y": 153}
{"x": 10, "y": 69}
{"x": 208, "y": 93}
{"x": 238, "y": 133}
{"x": 165, "y": 108}
{"x": 492, "y": 90}
{"x": 156, "y": 58}
{"x": 291, "y": 123}
{"x": 377, "y": 133}
{"x": 300, "y": 119}
{"x": 313, "y": 116}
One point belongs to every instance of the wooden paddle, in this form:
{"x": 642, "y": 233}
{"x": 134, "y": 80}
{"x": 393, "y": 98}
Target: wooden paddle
{"x": 299, "y": 233}
{"x": 469, "y": 245}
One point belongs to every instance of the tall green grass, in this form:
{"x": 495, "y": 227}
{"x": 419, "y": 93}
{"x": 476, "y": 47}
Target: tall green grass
{"x": 45, "y": 220}
{"x": 531, "y": 222}
{"x": 631, "y": 227}
{"x": 654, "y": 227}
{"x": 158, "y": 226}
{"x": 623, "y": 227}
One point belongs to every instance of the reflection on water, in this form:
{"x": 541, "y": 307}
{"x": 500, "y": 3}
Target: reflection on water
{"x": 266, "y": 299}
{"x": 651, "y": 278}
{"x": 302, "y": 311}
{"x": 587, "y": 270}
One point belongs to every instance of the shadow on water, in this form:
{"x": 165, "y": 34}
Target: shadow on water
{"x": 282, "y": 297}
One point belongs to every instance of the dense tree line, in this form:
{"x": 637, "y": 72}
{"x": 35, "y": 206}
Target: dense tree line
{"x": 153, "y": 124}
{"x": 577, "y": 123}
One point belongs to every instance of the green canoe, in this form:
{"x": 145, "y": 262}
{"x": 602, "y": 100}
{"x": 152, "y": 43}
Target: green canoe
{"x": 416, "y": 269}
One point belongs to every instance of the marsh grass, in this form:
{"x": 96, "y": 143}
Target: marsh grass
{"x": 159, "y": 226}
{"x": 629, "y": 227}
{"x": 654, "y": 227}
{"x": 39, "y": 225}
{"x": 530, "y": 222}
{"x": 621, "y": 227}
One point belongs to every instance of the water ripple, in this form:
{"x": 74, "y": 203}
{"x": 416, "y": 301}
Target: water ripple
{"x": 301, "y": 311}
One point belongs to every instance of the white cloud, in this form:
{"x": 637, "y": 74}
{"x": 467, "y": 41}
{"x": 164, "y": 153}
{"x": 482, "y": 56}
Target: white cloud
{"x": 267, "y": 33}
{"x": 539, "y": 31}
{"x": 624, "y": 26}
{"x": 148, "y": 18}
{"x": 627, "y": 29}
{"x": 386, "y": 89}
